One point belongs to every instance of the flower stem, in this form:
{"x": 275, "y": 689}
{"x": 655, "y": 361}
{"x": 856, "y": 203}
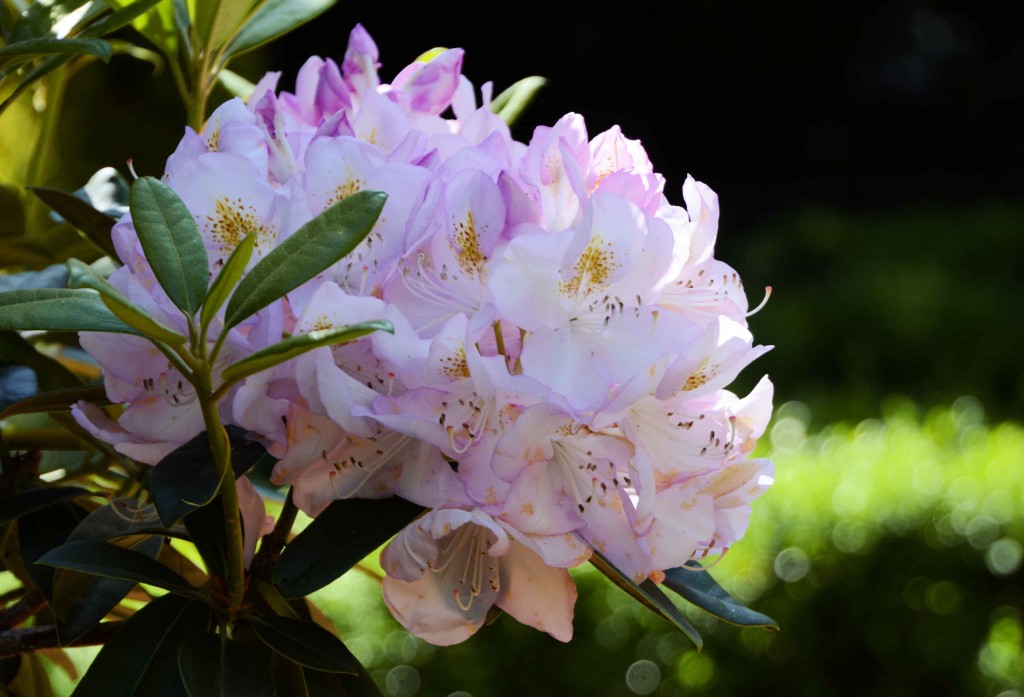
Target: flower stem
{"x": 220, "y": 446}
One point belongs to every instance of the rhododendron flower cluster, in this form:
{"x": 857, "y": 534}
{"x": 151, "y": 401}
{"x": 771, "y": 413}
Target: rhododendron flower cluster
{"x": 563, "y": 336}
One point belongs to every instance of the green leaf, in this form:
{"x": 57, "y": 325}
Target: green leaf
{"x": 42, "y": 69}
{"x": 95, "y": 224}
{"x": 49, "y": 45}
{"x": 81, "y": 601}
{"x": 214, "y": 666}
{"x": 171, "y": 242}
{"x": 104, "y": 559}
{"x": 41, "y": 531}
{"x": 57, "y": 400}
{"x": 337, "y": 539}
{"x": 217, "y": 20}
{"x": 650, "y": 596}
{"x": 187, "y": 477}
{"x": 274, "y": 19}
{"x": 58, "y": 309}
{"x": 299, "y": 344}
{"x": 511, "y": 103}
{"x": 17, "y": 505}
{"x": 315, "y": 246}
{"x": 120, "y": 18}
{"x": 305, "y": 643}
{"x": 141, "y": 660}
{"x": 696, "y": 585}
{"x": 205, "y": 528}
{"x": 82, "y": 275}
{"x": 50, "y": 373}
{"x": 227, "y": 279}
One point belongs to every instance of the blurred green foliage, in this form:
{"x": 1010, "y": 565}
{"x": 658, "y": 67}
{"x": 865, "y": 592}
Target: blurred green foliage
{"x": 889, "y": 551}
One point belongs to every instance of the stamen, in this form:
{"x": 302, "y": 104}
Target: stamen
{"x": 767, "y": 294}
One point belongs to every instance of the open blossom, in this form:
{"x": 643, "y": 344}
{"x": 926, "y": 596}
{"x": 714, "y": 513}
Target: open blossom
{"x": 556, "y": 381}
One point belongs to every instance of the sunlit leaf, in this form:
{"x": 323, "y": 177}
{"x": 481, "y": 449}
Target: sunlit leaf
{"x": 511, "y": 103}
{"x": 312, "y": 248}
{"x": 171, "y": 242}
{"x": 216, "y": 20}
{"x": 337, "y": 539}
{"x": 297, "y": 345}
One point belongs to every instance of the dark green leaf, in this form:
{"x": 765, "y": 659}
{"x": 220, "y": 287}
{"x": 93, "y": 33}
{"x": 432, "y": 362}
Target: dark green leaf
{"x": 205, "y": 528}
{"x": 649, "y": 595}
{"x": 697, "y": 586}
{"x": 57, "y": 400}
{"x": 511, "y": 103}
{"x": 141, "y": 660}
{"x": 95, "y": 224}
{"x": 58, "y": 309}
{"x": 51, "y": 374}
{"x": 171, "y": 242}
{"x": 104, "y": 559}
{"x": 344, "y": 533}
{"x": 273, "y": 19}
{"x": 187, "y": 477}
{"x": 50, "y": 45}
{"x": 316, "y": 245}
{"x": 298, "y": 345}
{"x": 212, "y": 666}
{"x": 34, "y": 500}
{"x": 82, "y": 275}
{"x": 227, "y": 279}
{"x": 305, "y": 643}
{"x": 42, "y": 531}
{"x": 81, "y": 601}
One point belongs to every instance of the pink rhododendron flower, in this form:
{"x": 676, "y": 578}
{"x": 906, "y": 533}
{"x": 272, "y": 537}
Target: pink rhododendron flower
{"x": 564, "y": 335}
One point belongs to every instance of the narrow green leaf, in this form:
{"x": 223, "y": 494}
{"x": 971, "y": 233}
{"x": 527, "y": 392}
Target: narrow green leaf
{"x": 338, "y": 539}
{"x": 273, "y": 19}
{"x": 315, "y": 246}
{"x": 187, "y": 477}
{"x": 49, "y": 45}
{"x": 227, "y": 279}
{"x": 157, "y": 25}
{"x": 57, "y": 400}
{"x": 299, "y": 344}
{"x": 120, "y": 18}
{"x": 141, "y": 660}
{"x": 95, "y": 224}
{"x": 213, "y": 666}
{"x": 696, "y": 585}
{"x": 650, "y": 596}
{"x": 305, "y": 643}
{"x": 217, "y": 20}
{"x": 17, "y": 505}
{"x": 171, "y": 242}
{"x": 234, "y": 83}
{"x": 104, "y": 559}
{"x": 511, "y": 103}
{"x": 42, "y": 69}
{"x": 82, "y": 275}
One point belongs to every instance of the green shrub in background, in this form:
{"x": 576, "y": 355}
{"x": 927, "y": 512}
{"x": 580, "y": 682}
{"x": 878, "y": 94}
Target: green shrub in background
{"x": 889, "y": 551}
